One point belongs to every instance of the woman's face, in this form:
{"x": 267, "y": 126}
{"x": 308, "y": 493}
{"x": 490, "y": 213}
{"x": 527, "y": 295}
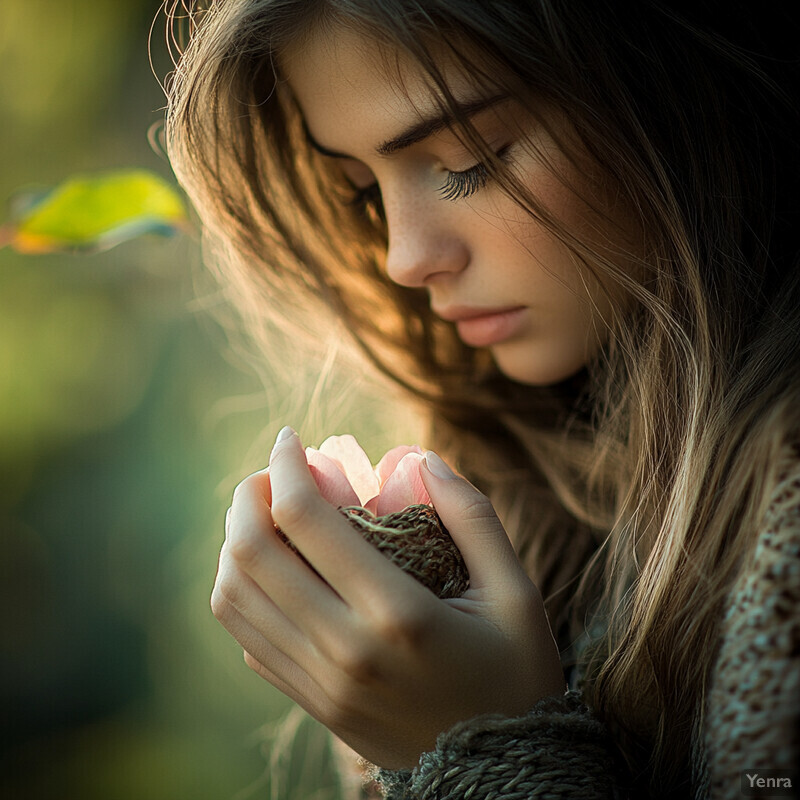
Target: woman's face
{"x": 500, "y": 276}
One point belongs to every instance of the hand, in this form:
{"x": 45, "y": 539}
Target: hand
{"x": 363, "y": 647}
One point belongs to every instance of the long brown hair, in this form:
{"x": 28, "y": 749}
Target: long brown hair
{"x": 645, "y": 476}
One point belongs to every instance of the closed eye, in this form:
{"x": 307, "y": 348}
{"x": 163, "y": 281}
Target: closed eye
{"x": 463, "y": 184}
{"x": 457, "y": 186}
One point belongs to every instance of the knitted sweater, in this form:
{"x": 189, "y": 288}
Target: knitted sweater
{"x": 559, "y": 751}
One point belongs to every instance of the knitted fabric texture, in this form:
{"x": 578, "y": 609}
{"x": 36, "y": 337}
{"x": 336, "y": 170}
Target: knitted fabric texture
{"x": 753, "y": 710}
{"x": 414, "y": 539}
{"x": 556, "y": 751}
{"x": 560, "y": 752}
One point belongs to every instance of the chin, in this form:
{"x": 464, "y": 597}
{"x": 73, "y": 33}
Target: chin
{"x": 537, "y": 371}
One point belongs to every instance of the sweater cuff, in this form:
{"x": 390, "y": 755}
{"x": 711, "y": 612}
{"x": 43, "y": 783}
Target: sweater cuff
{"x": 556, "y": 750}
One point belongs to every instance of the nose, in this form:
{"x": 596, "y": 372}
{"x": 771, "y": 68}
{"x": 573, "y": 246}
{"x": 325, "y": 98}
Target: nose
{"x": 425, "y": 243}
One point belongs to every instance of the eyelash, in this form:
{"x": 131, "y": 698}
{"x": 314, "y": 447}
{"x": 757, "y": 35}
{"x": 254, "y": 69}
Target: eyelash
{"x": 457, "y": 186}
{"x": 460, "y": 185}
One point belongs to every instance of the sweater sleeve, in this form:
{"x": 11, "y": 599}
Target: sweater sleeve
{"x": 753, "y": 709}
{"x": 557, "y": 750}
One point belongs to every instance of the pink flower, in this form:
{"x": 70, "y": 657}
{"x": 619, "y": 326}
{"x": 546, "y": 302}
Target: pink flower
{"x": 345, "y": 476}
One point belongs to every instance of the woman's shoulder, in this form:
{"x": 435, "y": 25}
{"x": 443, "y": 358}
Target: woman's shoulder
{"x": 774, "y": 562}
{"x": 767, "y": 589}
{"x": 782, "y": 515}
{"x": 754, "y": 699}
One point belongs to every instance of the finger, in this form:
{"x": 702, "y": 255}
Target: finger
{"x": 313, "y": 702}
{"x": 269, "y": 676}
{"x": 281, "y": 582}
{"x": 285, "y": 674}
{"x": 235, "y": 589}
{"x": 259, "y": 627}
{"x": 471, "y": 520}
{"x": 252, "y": 543}
{"x": 353, "y": 567}
{"x": 298, "y": 669}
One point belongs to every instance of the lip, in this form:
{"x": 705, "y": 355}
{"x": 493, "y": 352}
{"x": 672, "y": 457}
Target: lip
{"x": 483, "y": 327}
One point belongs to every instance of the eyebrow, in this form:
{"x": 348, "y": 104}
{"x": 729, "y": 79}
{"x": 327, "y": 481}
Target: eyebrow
{"x": 417, "y": 132}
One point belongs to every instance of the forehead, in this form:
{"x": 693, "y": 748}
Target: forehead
{"x": 344, "y": 81}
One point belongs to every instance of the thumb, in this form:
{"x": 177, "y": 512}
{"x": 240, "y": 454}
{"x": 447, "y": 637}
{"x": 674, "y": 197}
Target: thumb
{"x": 471, "y": 520}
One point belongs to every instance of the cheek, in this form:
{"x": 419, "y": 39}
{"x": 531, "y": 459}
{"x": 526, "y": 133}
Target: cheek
{"x": 568, "y": 307}
{"x": 535, "y": 233}
{"x": 540, "y": 264}
{"x": 604, "y": 231}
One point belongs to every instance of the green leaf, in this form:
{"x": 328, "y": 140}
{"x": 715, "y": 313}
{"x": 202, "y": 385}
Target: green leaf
{"x": 95, "y": 212}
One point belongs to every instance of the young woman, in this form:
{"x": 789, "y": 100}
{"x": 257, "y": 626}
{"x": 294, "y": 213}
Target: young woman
{"x": 571, "y": 230}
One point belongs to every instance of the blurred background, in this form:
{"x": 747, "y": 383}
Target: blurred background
{"x": 125, "y": 423}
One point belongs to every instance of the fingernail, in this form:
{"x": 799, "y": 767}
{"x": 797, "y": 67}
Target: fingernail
{"x": 437, "y": 466}
{"x": 285, "y": 433}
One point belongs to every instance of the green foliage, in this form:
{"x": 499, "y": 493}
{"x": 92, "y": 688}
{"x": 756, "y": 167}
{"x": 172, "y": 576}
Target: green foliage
{"x": 95, "y": 212}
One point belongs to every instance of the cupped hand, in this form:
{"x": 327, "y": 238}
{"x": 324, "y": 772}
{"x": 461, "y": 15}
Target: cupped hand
{"x": 363, "y": 647}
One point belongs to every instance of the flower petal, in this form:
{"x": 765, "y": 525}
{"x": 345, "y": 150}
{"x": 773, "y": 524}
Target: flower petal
{"x": 355, "y": 464}
{"x": 331, "y": 480}
{"x": 403, "y": 487}
{"x": 388, "y": 464}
